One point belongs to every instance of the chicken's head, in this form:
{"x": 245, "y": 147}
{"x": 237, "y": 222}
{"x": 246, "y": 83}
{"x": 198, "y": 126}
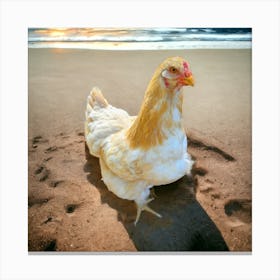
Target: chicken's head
{"x": 175, "y": 73}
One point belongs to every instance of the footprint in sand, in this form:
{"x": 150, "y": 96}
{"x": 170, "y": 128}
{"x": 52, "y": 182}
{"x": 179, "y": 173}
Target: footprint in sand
{"x": 80, "y": 134}
{"x": 39, "y": 201}
{"x": 47, "y": 159}
{"x": 240, "y": 209}
{"x": 206, "y": 188}
{"x": 38, "y": 140}
{"x": 42, "y": 173}
{"x": 198, "y": 170}
{"x": 54, "y": 184}
{"x": 51, "y": 149}
{"x": 51, "y": 246}
{"x": 70, "y": 208}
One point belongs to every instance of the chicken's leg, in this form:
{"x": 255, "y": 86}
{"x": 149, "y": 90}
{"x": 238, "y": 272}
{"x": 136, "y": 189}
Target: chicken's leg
{"x": 144, "y": 206}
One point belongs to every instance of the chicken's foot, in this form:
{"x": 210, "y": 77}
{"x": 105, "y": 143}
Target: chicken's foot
{"x": 145, "y": 207}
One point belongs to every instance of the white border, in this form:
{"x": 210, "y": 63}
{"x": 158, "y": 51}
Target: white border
{"x": 262, "y": 16}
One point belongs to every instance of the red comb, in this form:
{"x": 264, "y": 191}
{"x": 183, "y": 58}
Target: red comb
{"x": 186, "y": 69}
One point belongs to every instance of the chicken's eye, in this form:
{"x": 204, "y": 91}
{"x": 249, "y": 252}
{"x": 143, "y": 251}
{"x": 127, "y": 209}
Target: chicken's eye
{"x": 173, "y": 70}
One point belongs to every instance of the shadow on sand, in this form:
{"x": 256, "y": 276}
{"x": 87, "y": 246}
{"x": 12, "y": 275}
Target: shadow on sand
{"x": 184, "y": 225}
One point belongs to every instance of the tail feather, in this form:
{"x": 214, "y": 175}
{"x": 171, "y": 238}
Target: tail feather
{"x": 102, "y": 120}
{"x": 96, "y": 98}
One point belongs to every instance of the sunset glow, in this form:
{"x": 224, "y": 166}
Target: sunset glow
{"x": 139, "y": 38}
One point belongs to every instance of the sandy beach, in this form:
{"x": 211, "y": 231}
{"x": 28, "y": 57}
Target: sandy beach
{"x": 70, "y": 209}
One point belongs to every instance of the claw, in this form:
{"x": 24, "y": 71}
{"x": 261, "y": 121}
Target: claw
{"x": 149, "y": 200}
{"x": 146, "y": 208}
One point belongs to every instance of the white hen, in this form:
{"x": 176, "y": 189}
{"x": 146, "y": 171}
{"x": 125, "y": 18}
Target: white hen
{"x": 136, "y": 153}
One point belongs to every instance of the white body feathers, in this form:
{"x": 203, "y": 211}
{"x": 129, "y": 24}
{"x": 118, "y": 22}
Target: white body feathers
{"x": 127, "y": 171}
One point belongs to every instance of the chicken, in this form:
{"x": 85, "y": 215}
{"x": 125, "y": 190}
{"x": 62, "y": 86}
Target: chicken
{"x": 139, "y": 152}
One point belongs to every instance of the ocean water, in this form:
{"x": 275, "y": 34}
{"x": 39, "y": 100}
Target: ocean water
{"x": 140, "y": 38}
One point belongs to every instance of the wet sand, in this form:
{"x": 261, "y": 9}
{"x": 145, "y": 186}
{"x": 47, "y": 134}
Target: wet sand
{"x": 70, "y": 209}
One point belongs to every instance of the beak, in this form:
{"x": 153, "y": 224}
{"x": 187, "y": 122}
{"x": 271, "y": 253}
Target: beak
{"x": 188, "y": 81}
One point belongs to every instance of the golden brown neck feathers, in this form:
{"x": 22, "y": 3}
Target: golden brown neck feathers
{"x": 155, "y": 120}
